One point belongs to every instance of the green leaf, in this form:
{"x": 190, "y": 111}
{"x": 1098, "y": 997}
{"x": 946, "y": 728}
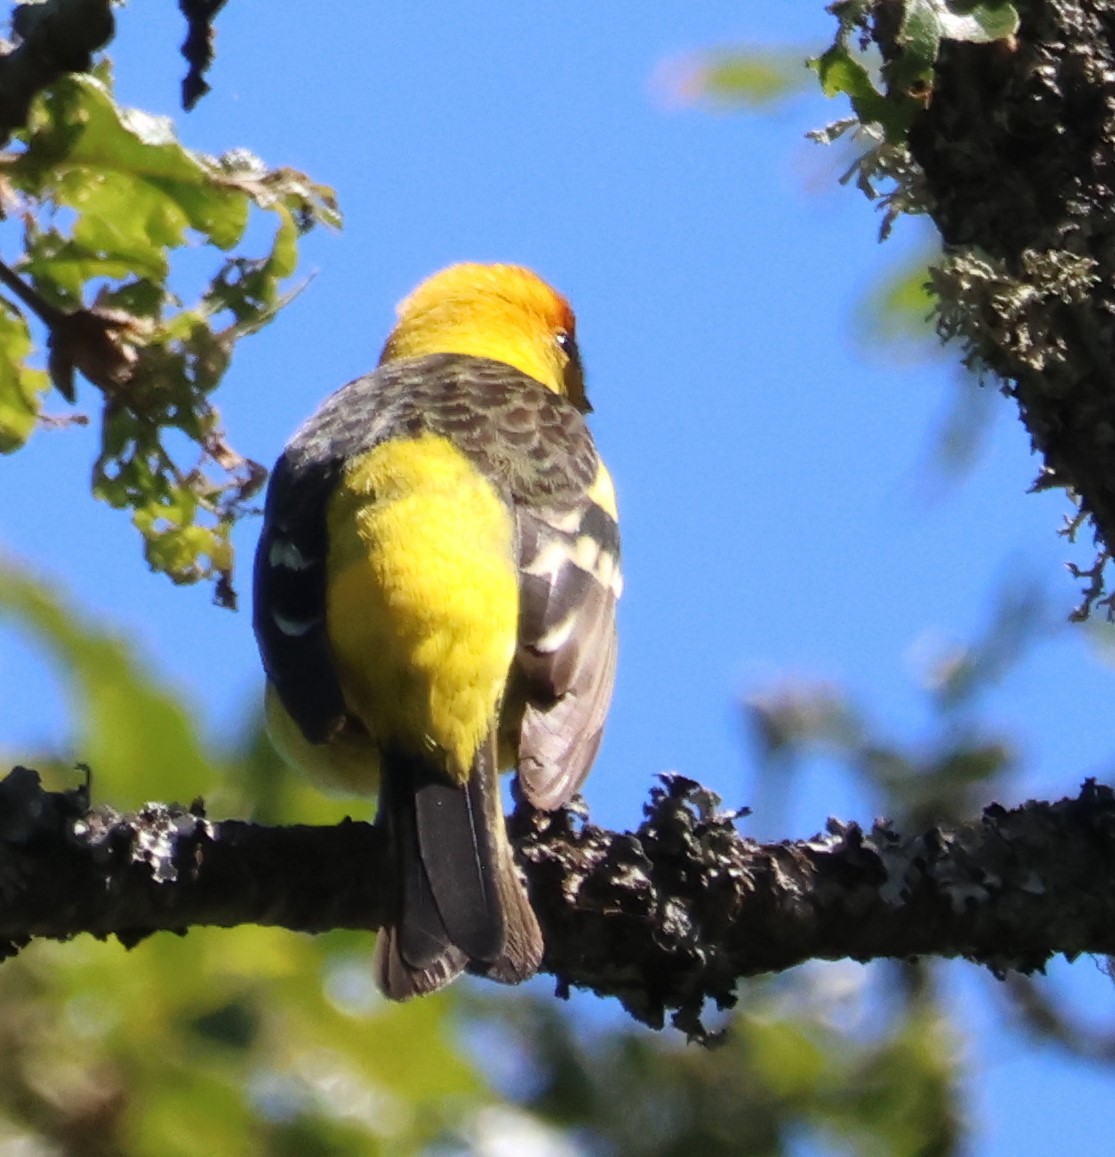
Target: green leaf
{"x": 920, "y": 38}
{"x": 842, "y": 72}
{"x": 978, "y": 23}
{"x": 133, "y": 195}
{"x": 926, "y": 23}
{"x": 136, "y": 188}
{"x": 908, "y": 73}
{"x": 788, "y": 1058}
{"x": 59, "y": 266}
{"x": 249, "y": 290}
{"x": 21, "y": 387}
{"x": 745, "y": 77}
{"x": 898, "y": 310}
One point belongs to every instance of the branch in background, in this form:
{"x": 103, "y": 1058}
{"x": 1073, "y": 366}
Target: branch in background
{"x": 1006, "y": 110}
{"x": 197, "y": 48}
{"x": 54, "y": 38}
{"x": 1040, "y": 1012}
{"x": 1022, "y": 200}
{"x": 665, "y": 918}
{"x": 93, "y": 341}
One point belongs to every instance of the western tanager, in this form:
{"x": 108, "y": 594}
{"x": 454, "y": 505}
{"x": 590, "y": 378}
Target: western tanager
{"x": 435, "y": 594}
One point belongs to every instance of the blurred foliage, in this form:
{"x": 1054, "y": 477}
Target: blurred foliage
{"x": 898, "y": 308}
{"x": 124, "y": 723}
{"x": 742, "y": 76}
{"x": 103, "y": 196}
{"x": 950, "y": 773}
{"x": 783, "y": 1072}
{"x": 21, "y": 385}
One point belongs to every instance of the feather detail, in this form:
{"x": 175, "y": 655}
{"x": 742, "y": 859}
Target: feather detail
{"x": 460, "y": 903}
{"x": 565, "y": 663}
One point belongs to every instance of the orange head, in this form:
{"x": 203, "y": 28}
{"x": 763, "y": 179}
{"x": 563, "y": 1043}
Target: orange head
{"x": 503, "y": 312}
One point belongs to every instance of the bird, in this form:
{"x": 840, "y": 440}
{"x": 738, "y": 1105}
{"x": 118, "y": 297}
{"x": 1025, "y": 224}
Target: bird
{"x": 435, "y": 594}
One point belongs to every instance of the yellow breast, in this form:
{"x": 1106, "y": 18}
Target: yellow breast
{"x": 422, "y": 604}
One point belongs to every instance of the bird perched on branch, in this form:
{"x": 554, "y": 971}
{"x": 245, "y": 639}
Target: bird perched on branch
{"x": 435, "y": 595}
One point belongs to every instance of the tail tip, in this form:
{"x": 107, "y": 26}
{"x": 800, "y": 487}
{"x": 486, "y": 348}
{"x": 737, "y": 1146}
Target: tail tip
{"x": 399, "y": 981}
{"x": 519, "y": 960}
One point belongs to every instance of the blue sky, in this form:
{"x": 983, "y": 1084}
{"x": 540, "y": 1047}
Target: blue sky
{"x": 778, "y": 519}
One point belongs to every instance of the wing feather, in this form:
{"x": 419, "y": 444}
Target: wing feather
{"x": 565, "y": 661}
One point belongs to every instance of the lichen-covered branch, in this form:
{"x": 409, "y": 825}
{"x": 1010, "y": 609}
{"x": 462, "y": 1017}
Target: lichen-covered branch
{"x": 1012, "y": 135}
{"x": 66, "y": 868}
{"x": 1018, "y": 149}
{"x": 666, "y": 918}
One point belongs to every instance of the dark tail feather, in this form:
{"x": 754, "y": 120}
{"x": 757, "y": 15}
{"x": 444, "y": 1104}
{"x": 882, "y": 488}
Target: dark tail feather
{"x": 414, "y": 954}
{"x": 460, "y": 900}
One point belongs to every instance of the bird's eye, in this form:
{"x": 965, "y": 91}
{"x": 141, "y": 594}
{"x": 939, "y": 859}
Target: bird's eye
{"x": 574, "y": 375}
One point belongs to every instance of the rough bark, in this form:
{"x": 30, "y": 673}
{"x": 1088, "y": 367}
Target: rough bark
{"x": 1015, "y": 163}
{"x": 666, "y": 918}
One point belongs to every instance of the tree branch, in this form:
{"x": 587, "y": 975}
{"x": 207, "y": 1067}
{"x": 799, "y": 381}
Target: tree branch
{"x": 666, "y": 918}
{"x": 55, "y": 37}
{"x": 197, "y": 48}
{"x": 1015, "y": 152}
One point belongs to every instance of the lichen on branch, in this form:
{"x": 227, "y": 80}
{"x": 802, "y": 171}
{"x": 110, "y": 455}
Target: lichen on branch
{"x": 666, "y": 917}
{"x": 996, "y": 119}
